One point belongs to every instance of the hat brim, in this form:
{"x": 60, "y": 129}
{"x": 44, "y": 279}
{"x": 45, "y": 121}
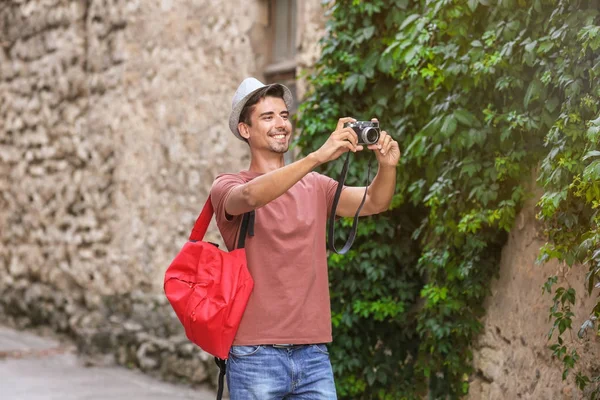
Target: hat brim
{"x": 234, "y": 117}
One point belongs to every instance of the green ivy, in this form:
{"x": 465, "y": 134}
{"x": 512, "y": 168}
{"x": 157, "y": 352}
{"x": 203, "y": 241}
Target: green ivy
{"x": 478, "y": 93}
{"x": 570, "y": 172}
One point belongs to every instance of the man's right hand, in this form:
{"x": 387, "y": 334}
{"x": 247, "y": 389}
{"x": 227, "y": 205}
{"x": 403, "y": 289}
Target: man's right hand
{"x": 341, "y": 141}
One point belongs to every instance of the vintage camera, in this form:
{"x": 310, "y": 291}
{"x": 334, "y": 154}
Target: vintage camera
{"x": 367, "y": 131}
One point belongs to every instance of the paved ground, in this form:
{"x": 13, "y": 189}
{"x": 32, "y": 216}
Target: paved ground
{"x": 34, "y": 367}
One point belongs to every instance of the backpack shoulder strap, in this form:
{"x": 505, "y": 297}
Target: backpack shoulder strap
{"x": 202, "y": 222}
{"x": 201, "y": 225}
{"x": 247, "y": 228}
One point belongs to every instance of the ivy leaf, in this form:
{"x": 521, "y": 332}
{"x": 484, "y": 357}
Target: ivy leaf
{"x": 362, "y": 81}
{"x": 449, "y": 126}
{"x": 355, "y": 81}
{"x": 470, "y": 169}
{"x": 591, "y": 174}
{"x": 368, "y": 32}
{"x": 593, "y": 132}
{"x": 465, "y": 117}
{"x": 590, "y": 154}
{"x": 370, "y": 376}
{"x": 476, "y": 136}
{"x": 552, "y": 103}
{"x": 401, "y": 4}
{"x": 350, "y": 83}
{"x": 385, "y": 63}
{"x": 591, "y": 277}
{"x": 411, "y": 53}
{"x": 545, "y": 47}
{"x": 533, "y": 93}
{"x": 369, "y": 65}
{"x": 408, "y": 21}
{"x": 529, "y": 47}
{"x": 588, "y": 324}
{"x": 505, "y": 134}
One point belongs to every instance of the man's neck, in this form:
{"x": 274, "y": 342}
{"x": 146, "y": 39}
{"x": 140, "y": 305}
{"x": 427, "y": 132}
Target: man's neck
{"x": 261, "y": 164}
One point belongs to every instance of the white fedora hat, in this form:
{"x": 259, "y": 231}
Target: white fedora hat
{"x": 247, "y": 88}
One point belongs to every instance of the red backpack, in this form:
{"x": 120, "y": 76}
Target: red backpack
{"x": 209, "y": 288}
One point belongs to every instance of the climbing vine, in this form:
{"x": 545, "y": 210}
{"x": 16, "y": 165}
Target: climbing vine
{"x": 570, "y": 174}
{"x": 480, "y": 94}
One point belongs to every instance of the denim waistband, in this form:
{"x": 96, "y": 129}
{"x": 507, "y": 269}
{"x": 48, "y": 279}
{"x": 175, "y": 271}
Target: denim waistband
{"x": 289, "y": 345}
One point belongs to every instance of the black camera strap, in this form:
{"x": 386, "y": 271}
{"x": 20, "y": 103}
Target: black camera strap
{"x": 336, "y": 199}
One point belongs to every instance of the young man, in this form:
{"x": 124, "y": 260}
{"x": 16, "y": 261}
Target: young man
{"x": 279, "y": 350}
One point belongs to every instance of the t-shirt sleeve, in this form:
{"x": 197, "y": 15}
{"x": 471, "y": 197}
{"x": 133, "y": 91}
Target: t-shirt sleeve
{"x": 329, "y": 186}
{"x": 221, "y": 188}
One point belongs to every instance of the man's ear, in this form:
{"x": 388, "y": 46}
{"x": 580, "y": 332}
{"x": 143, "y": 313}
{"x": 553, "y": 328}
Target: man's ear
{"x": 244, "y": 132}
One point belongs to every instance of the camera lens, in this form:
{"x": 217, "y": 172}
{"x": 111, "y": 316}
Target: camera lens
{"x": 370, "y": 135}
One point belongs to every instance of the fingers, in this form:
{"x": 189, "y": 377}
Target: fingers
{"x": 342, "y": 121}
{"x": 346, "y": 146}
{"x": 347, "y": 134}
{"x": 384, "y": 144}
{"x": 383, "y": 136}
{"x": 349, "y": 146}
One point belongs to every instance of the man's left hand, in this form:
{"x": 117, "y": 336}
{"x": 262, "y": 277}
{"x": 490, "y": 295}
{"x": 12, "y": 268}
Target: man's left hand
{"x": 386, "y": 149}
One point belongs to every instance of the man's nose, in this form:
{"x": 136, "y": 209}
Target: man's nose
{"x": 280, "y": 121}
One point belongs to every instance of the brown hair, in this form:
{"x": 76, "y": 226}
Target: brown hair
{"x": 267, "y": 91}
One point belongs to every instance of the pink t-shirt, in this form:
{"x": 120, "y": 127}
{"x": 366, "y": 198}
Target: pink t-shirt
{"x": 287, "y": 259}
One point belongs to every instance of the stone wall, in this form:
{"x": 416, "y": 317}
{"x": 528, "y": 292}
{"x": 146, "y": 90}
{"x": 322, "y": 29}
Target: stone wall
{"x": 512, "y": 359}
{"x": 113, "y": 125}
{"x": 312, "y": 20}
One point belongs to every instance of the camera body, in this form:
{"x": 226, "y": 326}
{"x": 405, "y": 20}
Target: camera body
{"x": 367, "y": 131}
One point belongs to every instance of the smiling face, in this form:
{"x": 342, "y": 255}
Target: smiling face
{"x": 270, "y": 127}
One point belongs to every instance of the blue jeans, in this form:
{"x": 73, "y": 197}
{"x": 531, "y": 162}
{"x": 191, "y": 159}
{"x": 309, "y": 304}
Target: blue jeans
{"x": 301, "y": 372}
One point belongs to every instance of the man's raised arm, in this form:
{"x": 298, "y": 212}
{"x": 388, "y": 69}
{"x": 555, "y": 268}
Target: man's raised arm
{"x": 268, "y": 187}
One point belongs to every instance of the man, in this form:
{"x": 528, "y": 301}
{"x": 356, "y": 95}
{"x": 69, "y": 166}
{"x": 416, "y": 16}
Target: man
{"x": 279, "y": 350}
